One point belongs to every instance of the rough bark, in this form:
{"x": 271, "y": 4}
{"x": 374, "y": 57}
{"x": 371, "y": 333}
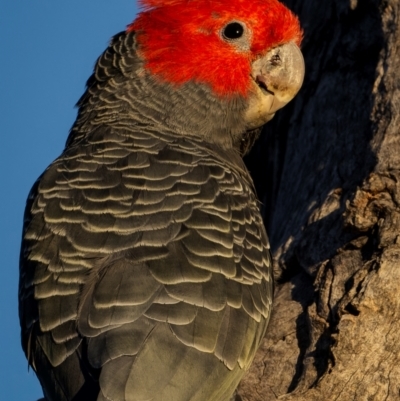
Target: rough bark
{"x": 330, "y": 189}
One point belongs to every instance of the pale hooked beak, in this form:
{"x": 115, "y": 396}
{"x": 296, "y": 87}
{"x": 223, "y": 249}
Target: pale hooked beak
{"x": 277, "y": 78}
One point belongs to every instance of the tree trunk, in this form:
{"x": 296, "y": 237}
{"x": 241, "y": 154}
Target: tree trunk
{"x": 327, "y": 171}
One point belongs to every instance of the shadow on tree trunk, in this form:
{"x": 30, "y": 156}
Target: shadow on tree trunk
{"x": 327, "y": 171}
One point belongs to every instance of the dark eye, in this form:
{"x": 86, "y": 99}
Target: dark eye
{"x": 233, "y": 30}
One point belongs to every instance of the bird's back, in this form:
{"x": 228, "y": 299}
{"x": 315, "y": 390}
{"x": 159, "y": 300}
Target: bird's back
{"x": 145, "y": 270}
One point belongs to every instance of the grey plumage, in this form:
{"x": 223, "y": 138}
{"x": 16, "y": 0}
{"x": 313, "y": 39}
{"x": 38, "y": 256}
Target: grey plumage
{"x": 145, "y": 269}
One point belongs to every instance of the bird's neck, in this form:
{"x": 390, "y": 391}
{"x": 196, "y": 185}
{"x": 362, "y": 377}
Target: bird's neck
{"x": 122, "y": 94}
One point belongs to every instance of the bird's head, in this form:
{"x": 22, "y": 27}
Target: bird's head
{"x": 238, "y": 48}
{"x": 214, "y": 69}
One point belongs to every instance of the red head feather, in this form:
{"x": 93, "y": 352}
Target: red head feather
{"x": 180, "y": 40}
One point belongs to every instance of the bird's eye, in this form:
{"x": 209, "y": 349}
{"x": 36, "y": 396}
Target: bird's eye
{"x": 233, "y": 30}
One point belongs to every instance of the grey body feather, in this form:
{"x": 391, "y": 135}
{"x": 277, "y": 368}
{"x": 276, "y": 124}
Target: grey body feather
{"x": 145, "y": 267}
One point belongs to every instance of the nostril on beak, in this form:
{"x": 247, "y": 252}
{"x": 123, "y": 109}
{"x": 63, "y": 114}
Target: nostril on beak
{"x": 275, "y": 60}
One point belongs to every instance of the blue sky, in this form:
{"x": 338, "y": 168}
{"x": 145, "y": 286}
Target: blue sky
{"x": 48, "y": 49}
